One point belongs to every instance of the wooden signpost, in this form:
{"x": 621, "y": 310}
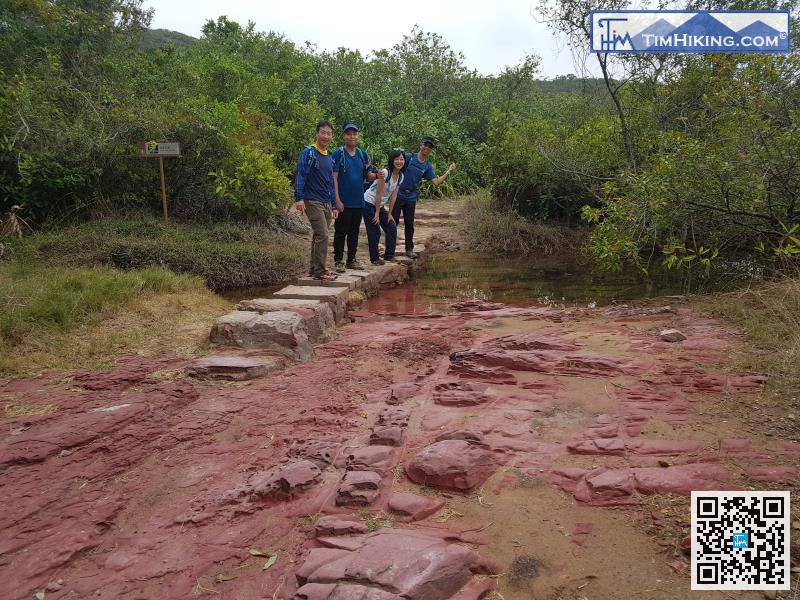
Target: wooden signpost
{"x": 160, "y": 150}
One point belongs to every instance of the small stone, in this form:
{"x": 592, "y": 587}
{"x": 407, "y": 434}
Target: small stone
{"x": 671, "y": 335}
{"x": 413, "y": 506}
{"x": 233, "y": 368}
{"x": 330, "y": 525}
{"x": 358, "y": 488}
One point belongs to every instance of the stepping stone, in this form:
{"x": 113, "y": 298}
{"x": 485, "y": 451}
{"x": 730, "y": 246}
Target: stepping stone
{"x": 392, "y": 273}
{"x": 370, "y": 281}
{"x": 343, "y": 280}
{"x": 317, "y": 314}
{"x": 281, "y": 332}
{"x": 233, "y": 368}
{"x": 335, "y": 297}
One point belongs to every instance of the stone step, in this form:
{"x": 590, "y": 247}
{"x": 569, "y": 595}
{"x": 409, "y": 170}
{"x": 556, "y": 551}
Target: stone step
{"x": 317, "y": 314}
{"x": 282, "y": 332}
{"x": 335, "y": 297}
{"x": 370, "y": 280}
{"x": 233, "y": 368}
{"x": 343, "y": 280}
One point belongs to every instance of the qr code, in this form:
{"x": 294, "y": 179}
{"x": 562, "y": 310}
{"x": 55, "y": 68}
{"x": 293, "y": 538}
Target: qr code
{"x": 740, "y": 540}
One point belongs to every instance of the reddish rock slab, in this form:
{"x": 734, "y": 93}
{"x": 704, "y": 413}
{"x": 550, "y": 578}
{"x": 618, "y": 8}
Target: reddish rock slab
{"x": 662, "y": 447}
{"x": 469, "y": 435}
{"x": 282, "y": 481}
{"x": 315, "y": 559}
{"x": 367, "y": 458}
{"x": 330, "y": 525}
{"x": 342, "y": 591}
{"x": 386, "y": 436}
{"x": 477, "y": 372}
{"x": 773, "y": 473}
{"x": 233, "y": 368}
{"x": 681, "y": 479}
{"x": 454, "y": 464}
{"x": 394, "y": 415}
{"x": 412, "y": 506}
{"x": 358, "y": 488}
{"x": 601, "y": 446}
{"x": 400, "y": 563}
{"x": 533, "y": 341}
{"x": 320, "y": 452}
{"x": 460, "y": 393}
{"x": 605, "y": 486}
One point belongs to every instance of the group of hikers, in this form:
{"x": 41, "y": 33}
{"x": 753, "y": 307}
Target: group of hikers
{"x": 329, "y": 186}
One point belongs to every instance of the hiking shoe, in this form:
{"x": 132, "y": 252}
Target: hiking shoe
{"x": 411, "y": 254}
{"x": 378, "y": 262}
{"x": 354, "y": 264}
{"x": 390, "y": 258}
{"x": 339, "y": 266}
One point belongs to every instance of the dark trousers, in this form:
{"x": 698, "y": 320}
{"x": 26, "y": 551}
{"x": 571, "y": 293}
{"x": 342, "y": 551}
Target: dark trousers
{"x": 374, "y": 232}
{"x": 408, "y": 209}
{"x": 346, "y": 226}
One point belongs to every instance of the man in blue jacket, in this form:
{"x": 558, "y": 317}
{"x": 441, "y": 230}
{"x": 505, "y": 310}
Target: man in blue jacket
{"x": 349, "y": 171}
{"x": 417, "y": 169}
{"x": 314, "y": 196}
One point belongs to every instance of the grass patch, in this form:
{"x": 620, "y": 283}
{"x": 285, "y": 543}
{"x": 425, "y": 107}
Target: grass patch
{"x": 491, "y": 229}
{"x": 224, "y": 255}
{"x": 61, "y": 317}
{"x": 769, "y": 314}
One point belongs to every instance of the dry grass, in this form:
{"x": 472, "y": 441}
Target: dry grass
{"x": 494, "y": 230}
{"x": 172, "y": 322}
{"x": 769, "y": 314}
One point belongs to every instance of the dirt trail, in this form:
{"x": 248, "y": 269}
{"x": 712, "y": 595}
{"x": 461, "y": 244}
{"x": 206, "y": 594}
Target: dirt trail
{"x": 142, "y": 483}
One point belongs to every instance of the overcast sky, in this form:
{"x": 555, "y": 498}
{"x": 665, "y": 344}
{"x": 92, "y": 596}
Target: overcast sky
{"x": 490, "y": 35}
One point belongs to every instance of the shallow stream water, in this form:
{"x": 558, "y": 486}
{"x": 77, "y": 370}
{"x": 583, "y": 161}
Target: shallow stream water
{"x": 452, "y": 276}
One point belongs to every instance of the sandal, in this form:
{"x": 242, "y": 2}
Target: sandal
{"x": 326, "y": 277}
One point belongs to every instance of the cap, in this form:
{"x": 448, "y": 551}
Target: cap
{"x": 428, "y": 140}
{"x": 349, "y": 126}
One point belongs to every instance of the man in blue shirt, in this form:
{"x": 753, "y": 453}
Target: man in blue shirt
{"x": 417, "y": 169}
{"x": 349, "y": 171}
{"x": 314, "y": 196}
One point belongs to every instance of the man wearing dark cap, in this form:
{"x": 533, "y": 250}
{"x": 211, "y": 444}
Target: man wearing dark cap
{"x": 417, "y": 169}
{"x": 349, "y": 171}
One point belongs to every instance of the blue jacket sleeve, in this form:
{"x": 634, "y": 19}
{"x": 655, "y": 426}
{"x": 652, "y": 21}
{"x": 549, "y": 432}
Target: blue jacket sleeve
{"x": 429, "y": 172}
{"x": 300, "y": 176}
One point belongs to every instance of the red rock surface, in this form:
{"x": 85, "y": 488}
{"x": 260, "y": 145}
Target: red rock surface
{"x": 454, "y": 464}
{"x": 137, "y": 482}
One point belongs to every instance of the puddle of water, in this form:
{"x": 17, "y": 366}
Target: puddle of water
{"x": 450, "y": 277}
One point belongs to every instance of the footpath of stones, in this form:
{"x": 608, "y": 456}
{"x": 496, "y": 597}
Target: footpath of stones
{"x": 159, "y": 480}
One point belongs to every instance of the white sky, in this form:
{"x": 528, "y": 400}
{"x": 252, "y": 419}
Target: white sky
{"x": 490, "y": 34}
